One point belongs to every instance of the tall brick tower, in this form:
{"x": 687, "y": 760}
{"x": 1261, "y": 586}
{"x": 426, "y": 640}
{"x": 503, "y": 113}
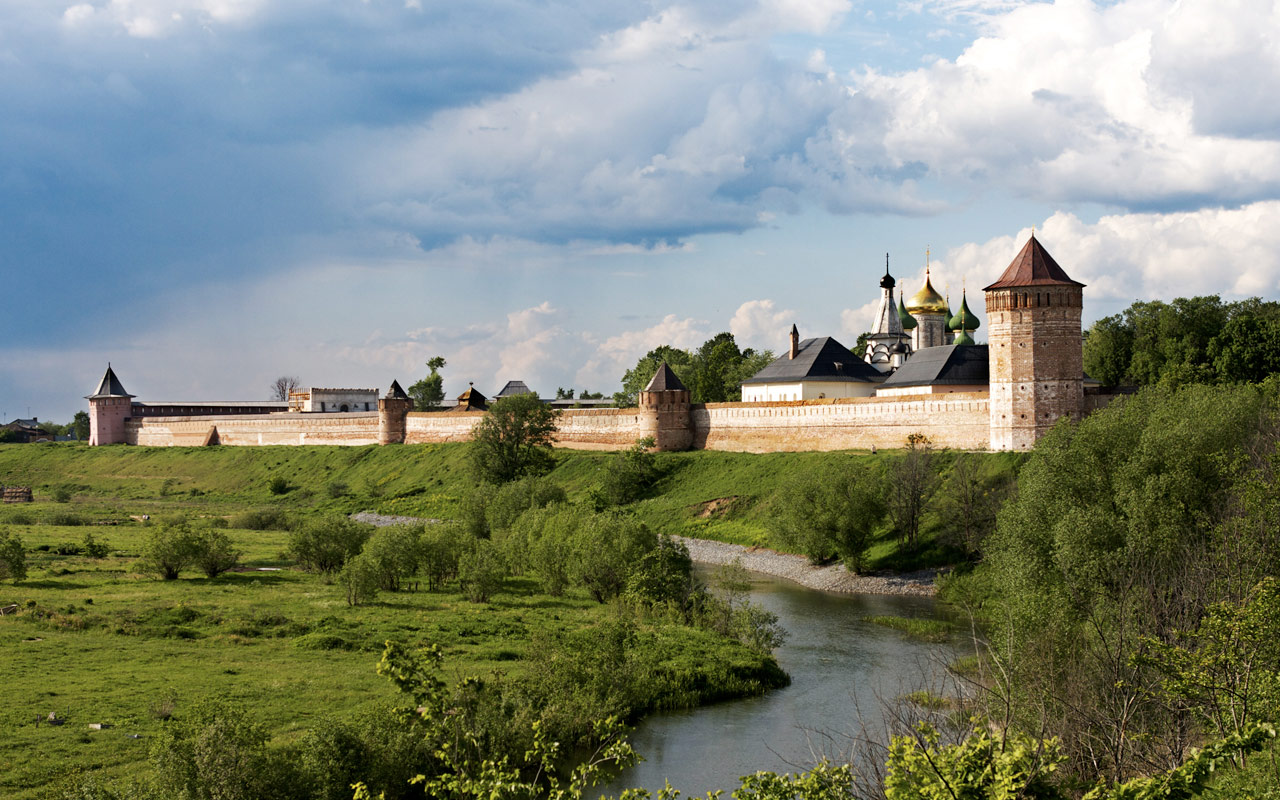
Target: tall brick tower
{"x": 1037, "y": 371}
{"x": 664, "y": 408}
{"x": 109, "y": 407}
{"x": 393, "y": 410}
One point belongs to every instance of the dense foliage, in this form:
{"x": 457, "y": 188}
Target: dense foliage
{"x": 713, "y": 372}
{"x": 514, "y": 439}
{"x": 428, "y": 393}
{"x": 1196, "y": 339}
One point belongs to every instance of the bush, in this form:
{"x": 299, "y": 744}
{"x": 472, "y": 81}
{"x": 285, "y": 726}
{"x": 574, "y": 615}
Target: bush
{"x": 628, "y": 475}
{"x": 605, "y": 549}
{"x": 66, "y": 519}
{"x": 663, "y": 575}
{"x": 833, "y": 515}
{"x": 481, "y": 571}
{"x": 506, "y": 504}
{"x": 213, "y": 552}
{"x": 359, "y": 578}
{"x": 93, "y": 548}
{"x": 439, "y": 548}
{"x": 394, "y": 553}
{"x": 170, "y": 548}
{"x": 61, "y": 495}
{"x": 337, "y": 489}
{"x": 271, "y": 519}
{"x": 278, "y": 485}
{"x": 13, "y": 557}
{"x": 325, "y": 544}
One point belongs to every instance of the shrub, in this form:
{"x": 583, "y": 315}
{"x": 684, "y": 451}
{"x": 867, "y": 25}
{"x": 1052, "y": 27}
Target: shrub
{"x": 169, "y": 549}
{"x": 833, "y": 515}
{"x": 271, "y": 519}
{"x": 61, "y": 495}
{"x": 394, "y": 553}
{"x": 628, "y": 475}
{"x": 506, "y": 504}
{"x": 337, "y": 489}
{"x": 278, "y": 484}
{"x": 325, "y": 544}
{"x": 439, "y": 548}
{"x": 605, "y": 548}
{"x": 13, "y": 557}
{"x": 664, "y": 574}
{"x": 66, "y": 519}
{"x": 359, "y": 578}
{"x": 93, "y": 548}
{"x": 213, "y": 552}
{"x": 481, "y": 571}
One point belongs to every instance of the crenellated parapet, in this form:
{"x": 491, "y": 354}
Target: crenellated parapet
{"x": 665, "y": 411}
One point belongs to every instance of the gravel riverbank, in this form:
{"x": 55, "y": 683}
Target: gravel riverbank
{"x": 834, "y": 578}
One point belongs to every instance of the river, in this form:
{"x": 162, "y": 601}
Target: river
{"x": 838, "y": 665}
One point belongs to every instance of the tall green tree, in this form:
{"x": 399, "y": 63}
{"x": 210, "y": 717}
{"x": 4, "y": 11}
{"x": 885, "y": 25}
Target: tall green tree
{"x": 429, "y": 392}
{"x": 80, "y": 426}
{"x": 514, "y": 439}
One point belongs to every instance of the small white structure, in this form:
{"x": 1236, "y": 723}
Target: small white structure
{"x": 329, "y": 401}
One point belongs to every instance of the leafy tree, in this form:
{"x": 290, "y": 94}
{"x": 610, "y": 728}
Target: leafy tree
{"x": 481, "y": 571}
{"x": 636, "y": 378}
{"x": 628, "y": 475}
{"x": 93, "y": 548}
{"x": 1108, "y": 350}
{"x": 832, "y": 515}
{"x": 80, "y": 426}
{"x": 606, "y": 547}
{"x": 663, "y": 575}
{"x": 324, "y": 544}
{"x": 564, "y": 394}
{"x": 428, "y": 393}
{"x": 8, "y": 436}
{"x": 360, "y": 579}
{"x": 967, "y": 502}
{"x": 912, "y": 482}
{"x": 513, "y": 439}
{"x": 509, "y": 501}
{"x": 13, "y": 557}
{"x": 439, "y": 548}
{"x": 394, "y": 554}
{"x": 283, "y": 386}
{"x": 213, "y": 552}
{"x": 983, "y": 765}
{"x": 170, "y": 548}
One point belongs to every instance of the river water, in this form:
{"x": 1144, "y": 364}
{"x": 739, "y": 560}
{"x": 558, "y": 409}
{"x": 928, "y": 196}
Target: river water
{"x": 838, "y": 665}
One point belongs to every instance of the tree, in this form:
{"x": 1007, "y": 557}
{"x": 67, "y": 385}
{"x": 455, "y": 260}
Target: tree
{"x": 428, "y": 393}
{"x": 325, "y": 544}
{"x": 481, "y": 571}
{"x": 394, "y": 552}
{"x": 968, "y": 501}
{"x": 834, "y": 514}
{"x": 636, "y": 378}
{"x": 170, "y": 548}
{"x": 359, "y": 579}
{"x": 628, "y": 475}
{"x": 912, "y": 483}
{"x": 13, "y": 557}
{"x": 513, "y": 439}
{"x": 282, "y": 386}
{"x": 80, "y": 426}
{"x": 563, "y": 393}
{"x": 213, "y": 552}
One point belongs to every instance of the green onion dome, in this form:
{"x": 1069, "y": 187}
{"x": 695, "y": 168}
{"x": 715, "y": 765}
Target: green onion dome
{"x": 963, "y": 337}
{"x": 908, "y": 321}
{"x": 964, "y": 320}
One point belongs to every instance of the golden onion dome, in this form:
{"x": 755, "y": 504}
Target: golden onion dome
{"x": 927, "y": 300}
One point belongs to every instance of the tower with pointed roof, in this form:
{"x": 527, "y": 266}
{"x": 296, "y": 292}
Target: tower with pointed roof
{"x": 109, "y": 406}
{"x": 887, "y": 331}
{"x": 929, "y": 310}
{"x": 665, "y": 411}
{"x": 1033, "y": 318}
{"x": 393, "y": 413}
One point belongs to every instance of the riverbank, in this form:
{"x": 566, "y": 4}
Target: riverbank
{"x": 833, "y": 578}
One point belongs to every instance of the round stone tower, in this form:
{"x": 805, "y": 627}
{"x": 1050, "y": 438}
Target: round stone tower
{"x": 664, "y": 411}
{"x": 393, "y": 411}
{"x": 109, "y": 407}
{"x": 1033, "y": 334}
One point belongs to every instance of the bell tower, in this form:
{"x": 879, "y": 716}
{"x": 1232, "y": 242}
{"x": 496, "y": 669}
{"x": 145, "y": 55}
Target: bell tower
{"x": 1037, "y": 367}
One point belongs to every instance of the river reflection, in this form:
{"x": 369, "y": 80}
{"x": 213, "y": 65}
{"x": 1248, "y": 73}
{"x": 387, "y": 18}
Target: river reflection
{"x": 837, "y": 664}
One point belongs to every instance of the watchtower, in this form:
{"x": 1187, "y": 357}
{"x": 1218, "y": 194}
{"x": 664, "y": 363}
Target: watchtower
{"x": 1037, "y": 371}
{"x": 393, "y": 411}
{"x": 109, "y": 407}
{"x": 664, "y": 411}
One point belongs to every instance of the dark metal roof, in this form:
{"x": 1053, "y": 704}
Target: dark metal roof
{"x": 513, "y": 388}
{"x": 395, "y": 392}
{"x": 109, "y": 386}
{"x": 665, "y": 380}
{"x": 823, "y": 359}
{"x": 1033, "y": 266}
{"x": 947, "y": 365}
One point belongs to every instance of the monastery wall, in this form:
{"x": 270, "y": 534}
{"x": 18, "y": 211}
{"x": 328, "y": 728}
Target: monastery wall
{"x": 424, "y": 427}
{"x": 956, "y": 420}
{"x": 601, "y": 428}
{"x": 255, "y": 429}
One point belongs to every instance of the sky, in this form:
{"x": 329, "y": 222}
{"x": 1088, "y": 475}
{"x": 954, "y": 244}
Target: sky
{"x": 211, "y": 193}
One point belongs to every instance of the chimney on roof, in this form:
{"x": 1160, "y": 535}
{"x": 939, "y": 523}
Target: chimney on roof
{"x": 795, "y": 342}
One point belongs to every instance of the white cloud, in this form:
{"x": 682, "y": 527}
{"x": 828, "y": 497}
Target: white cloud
{"x": 760, "y": 325}
{"x": 856, "y": 321}
{"x": 1125, "y": 257}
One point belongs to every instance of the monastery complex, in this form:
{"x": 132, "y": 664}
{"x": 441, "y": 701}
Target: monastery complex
{"x": 920, "y": 373}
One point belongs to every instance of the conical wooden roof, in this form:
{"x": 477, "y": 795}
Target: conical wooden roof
{"x": 1033, "y": 266}
{"x": 109, "y": 386}
{"x": 666, "y": 380}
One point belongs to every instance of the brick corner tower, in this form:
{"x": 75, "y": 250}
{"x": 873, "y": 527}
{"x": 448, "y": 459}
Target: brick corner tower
{"x": 393, "y": 411}
{"x": 1037, "y": 369}
{"x": 109, "y": 407}
{"x": 665, "y": 408}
